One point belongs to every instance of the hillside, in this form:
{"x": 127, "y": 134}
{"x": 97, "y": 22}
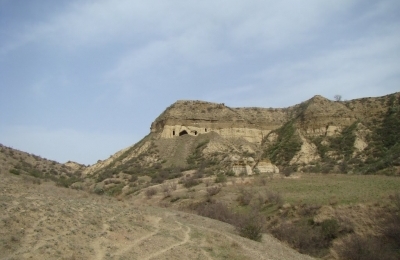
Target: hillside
{"x": 49, "y": 222}
{"x": 318, "y": 135}
{"x": 37, "y": 168}
{"x": 321, "y": 176}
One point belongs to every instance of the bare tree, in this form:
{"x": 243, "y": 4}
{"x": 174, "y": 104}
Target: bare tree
{"x": 338, "y": 97}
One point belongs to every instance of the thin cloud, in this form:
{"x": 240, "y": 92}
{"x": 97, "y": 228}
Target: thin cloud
{"x": 110, "y": 65}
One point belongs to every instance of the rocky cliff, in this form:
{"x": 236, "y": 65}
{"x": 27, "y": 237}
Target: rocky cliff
{"x": 199, "y": 117}
{"x": 316, "y": 135}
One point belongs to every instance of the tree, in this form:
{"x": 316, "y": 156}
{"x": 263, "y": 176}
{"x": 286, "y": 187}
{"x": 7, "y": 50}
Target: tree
{"x": 338, "y": 97}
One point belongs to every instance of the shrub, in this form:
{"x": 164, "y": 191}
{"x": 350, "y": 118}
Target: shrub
{"x": 190, "y": 182}
{"x": 305, "y": 238}
{"x": 357, "y": 247}
{"x": 274, "y": 198}
{"x": 167, "y": 188}
{"x": 116, "y": 190}
{"x": 214, "y": 190}
{"x": 66, "y": 182}
{"x": 216, "y": 210}
{"x": 250, "y": 226}
{"x": 221, "y": 178}
{"x": 98, "y": 190}
{"x": 150, "y": 192}
{"x": 287, "y": 171}
{"x": 330, "y": 229}
{"x": 15, "y": 171}
{"x": 308, "y": 209}
{"x": 175, "y": 199}
{"x": 245, "y": 197}
{"x": 230, "y": 173}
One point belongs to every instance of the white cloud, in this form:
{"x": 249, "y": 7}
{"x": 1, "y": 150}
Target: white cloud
{"x": 261, "y": 23}
{"x": 145, "y": 53}
{"x": 362, "y": 68}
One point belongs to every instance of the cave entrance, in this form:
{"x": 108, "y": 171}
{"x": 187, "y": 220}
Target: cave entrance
{"x": 184, "y": 132}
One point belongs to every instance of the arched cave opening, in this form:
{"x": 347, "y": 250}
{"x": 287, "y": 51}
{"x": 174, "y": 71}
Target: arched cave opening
{"x": 173, "y": 132}
{"x": 183, "y": 133}
{"x": 195, "y": 132}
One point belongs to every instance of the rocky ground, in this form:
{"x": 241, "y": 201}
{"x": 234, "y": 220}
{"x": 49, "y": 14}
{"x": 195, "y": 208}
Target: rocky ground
{"x": 42, "y": 221}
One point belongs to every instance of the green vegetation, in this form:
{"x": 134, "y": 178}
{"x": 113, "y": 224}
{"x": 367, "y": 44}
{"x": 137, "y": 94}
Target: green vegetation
{"x": 196, "y": 159}
{"x": 63, "y": 180}
{"x": 343, "y": 144}
{"x": 384, "y": 151}
{"x": 66, "y": 182}
{"x": 286, "y": 146}
{"x": 346, "y": 189}
{"x": 15, "y": 171}
{"x": 221, "y": 178}
{"x": 335, "y": 151}
{"x": 287, "y": 208}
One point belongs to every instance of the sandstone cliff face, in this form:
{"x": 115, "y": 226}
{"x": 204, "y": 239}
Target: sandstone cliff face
{"x": 316, "y": 117}
{"x": 316, "y": 133}
{"x": 199, "y": 117}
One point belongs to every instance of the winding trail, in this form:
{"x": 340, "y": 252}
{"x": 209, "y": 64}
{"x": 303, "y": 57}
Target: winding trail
{"x": 184, "y": 241}
{"x": 128, "y": 248}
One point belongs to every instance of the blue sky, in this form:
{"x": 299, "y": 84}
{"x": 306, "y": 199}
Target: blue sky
{"x": 80, "y": 80}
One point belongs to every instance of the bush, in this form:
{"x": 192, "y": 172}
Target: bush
{"x": 116, "y": 190}
{"x": 190, "y": 182}
{"x": 230, "y": 173}
{"x": 221, "y": 178}
{"x": 150, "y": 192}
{"x": 330, "y": 229}
{"x": 216, "y": 210}
{"x": 98, "y": 190}
{"x": 245, "y": 197}
{"x": 274, "y": 198}
{"x": 167, "y": 188}
{"x": 250, "y": 226}
{"x": 214, "y": 190}
{"x": 305, "y": 238}
{"x": 308, "y": 209}
{"x": 357, "y": 247}
{"x": 15, "y": 171}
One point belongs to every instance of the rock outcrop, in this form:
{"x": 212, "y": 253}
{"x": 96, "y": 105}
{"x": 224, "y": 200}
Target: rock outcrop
{"x": 199, "y": 117}
{"x": 318, "y": 134}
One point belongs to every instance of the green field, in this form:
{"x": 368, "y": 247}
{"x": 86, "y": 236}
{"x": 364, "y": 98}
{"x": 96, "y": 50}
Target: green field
{"x": 344, "y": 189}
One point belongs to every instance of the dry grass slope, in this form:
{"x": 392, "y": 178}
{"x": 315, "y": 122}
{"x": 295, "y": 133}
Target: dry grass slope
{"x": 48, "y": 222}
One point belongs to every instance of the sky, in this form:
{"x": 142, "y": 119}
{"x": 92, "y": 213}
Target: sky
{"x": 83, "y": 79}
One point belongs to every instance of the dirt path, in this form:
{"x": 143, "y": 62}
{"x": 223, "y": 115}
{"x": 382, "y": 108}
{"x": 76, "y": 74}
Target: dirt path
{"x": 184, "y": 241}
{"x": 48, "y": 222}
{"x": 131, "y": 246}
